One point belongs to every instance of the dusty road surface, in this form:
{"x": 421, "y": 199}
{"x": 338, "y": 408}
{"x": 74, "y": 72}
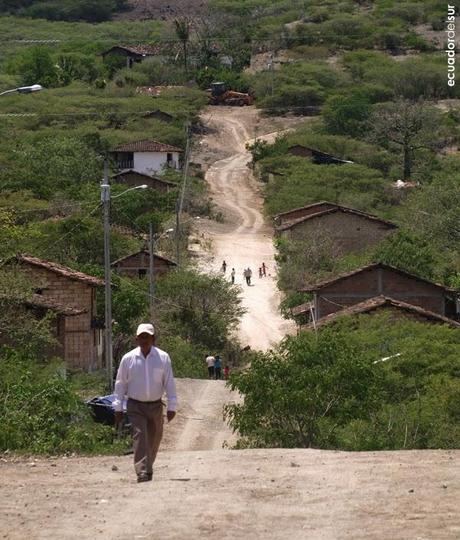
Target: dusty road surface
{"x": 244, "y": 238}
{"x": 245, "y": 494}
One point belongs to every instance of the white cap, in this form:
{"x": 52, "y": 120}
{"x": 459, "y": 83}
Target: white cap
{"x": 145, "y": 328}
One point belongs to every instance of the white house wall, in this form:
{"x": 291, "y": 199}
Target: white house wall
{"x": 153, "y": 162}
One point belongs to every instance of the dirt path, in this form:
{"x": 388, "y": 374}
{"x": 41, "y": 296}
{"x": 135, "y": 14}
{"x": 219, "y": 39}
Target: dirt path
{"x": 245, "y": 494}
{"x": 244, "y": 238}
{"x": 200, "y": 424}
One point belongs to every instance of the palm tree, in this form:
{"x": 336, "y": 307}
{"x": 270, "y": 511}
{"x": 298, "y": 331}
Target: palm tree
{"x": 183, "y": 33}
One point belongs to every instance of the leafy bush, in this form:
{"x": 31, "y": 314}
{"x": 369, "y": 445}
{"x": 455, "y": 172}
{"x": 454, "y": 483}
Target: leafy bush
{"x": 347, "y": 115}
{"x": 40, "y": 411}
{"x": 366, "y": 383}
{"x": 73, "y": 10}
{"x": 201, "y": 309}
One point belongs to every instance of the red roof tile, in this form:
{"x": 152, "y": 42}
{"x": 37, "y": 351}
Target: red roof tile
{"x": 326, "y": 282}
{"x": 380, "y": 302}
{"x": 144, "y": 175}
{"x": 61, "y": 270}
{"x": 45, "y": 302}
{"x": 313, "y": 205}
{"x": 146, "y": 252}
{"x": 343, "y": 209}
{"x": 147, "y": 50}
{"x": 146, "y": 146}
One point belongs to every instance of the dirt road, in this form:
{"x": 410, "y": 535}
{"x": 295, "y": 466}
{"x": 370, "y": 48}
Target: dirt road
{"x": 244, "y": 239}
{"x": 245, "y": 494}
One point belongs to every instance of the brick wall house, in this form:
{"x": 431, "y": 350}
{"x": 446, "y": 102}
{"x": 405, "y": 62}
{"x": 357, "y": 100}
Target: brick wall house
{"x": 132, "y": 178}
{"x": 39, "y": 306}
{"x": 348, "y": 230}
{"x": 382, "y": 280}
{"x": 397, "y": 309}
{"x": 293, "y": 215}
{"x": 138, "y": 265}
{"x": 83, "y": 341}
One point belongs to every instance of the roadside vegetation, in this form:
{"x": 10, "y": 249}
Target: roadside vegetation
{"x": 363, "y": 74}
{"x": 364, "y": 384}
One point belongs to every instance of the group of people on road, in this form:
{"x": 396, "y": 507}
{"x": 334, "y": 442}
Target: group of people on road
{"x": 247, "y": 273}
{"x": 214, "y": 364}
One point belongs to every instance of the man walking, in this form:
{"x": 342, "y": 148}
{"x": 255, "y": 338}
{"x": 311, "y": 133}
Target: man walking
{"x": 232, "y": 275}
{"x": 218, "y": 367}
{"x": 144, "y": 375}
{"x": 210, "y": 363}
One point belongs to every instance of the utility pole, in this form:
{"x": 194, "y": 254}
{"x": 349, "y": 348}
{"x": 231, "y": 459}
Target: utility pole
{"x": 151, "y": 272}
{"x": 105, "y": 199}
{"x": 177, "y": 237}
{"x": 180, "y": 201}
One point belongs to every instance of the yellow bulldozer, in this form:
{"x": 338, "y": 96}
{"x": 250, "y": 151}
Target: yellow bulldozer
{"x": 219, "y": 94}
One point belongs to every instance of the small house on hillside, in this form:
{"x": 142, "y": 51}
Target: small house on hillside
{"x": 348, "y": 230}
{"x": 74, "y": 294}
{"x": 137, "y": 53}
{"x": 147, "y": 156}
{"x": 398, "y": 309}
{"x": 303, "y": 211}
{"x": 39, "y": 306}
{"x": 378, "y": 279}
{"x": 132, "y": 178}
{"x": 316, "y": 156}
{"x": 138, "y": 264}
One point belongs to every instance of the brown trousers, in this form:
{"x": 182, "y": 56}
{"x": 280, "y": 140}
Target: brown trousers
{"x": 147, "y": 424}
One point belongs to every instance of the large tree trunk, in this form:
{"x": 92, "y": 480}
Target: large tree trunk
{"x": 407, "y": 163}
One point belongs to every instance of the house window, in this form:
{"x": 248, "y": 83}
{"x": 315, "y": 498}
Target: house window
{"x": 142, "y": 272}
{"x": 169, "y": 159}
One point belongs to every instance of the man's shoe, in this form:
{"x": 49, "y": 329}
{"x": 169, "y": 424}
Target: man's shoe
{"x": 144, "y": 478}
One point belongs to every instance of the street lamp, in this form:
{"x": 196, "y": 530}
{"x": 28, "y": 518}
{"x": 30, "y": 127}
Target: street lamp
{"x": 105, "y": 200}
{"x": 23, "y": 89}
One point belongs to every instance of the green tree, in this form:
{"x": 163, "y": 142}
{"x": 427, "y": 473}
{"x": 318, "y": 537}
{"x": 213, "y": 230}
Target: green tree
{"x": 37, "y": 67}
{"x": 408, "y": 252}
{"x": 202, "y": 309}
{"x": 347, "y": 114}
{"x": 297, "y": 395}
{"x": 407, "y": 126}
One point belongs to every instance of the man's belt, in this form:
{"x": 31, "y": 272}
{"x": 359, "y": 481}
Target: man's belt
{"x": 145, "y": 402}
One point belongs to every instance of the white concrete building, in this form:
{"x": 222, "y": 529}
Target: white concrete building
{"x": 147, "y": 156}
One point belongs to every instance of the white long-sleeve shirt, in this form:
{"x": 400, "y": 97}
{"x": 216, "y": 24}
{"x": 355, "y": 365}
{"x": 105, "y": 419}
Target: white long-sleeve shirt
{"x": 145, "y": 379}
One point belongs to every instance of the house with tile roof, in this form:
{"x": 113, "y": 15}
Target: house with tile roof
{"x": 377, "y": 280}
{"x": 72, "y": 294}
{"x": 132, "y": 178}
{"x": 136, "y": 53}
{"x": 39, "y": 307}
{"x": 138, "y": 264}
{"x": 147, "y": 156}
{"x": 398, "y": 309}
{"x": 348, "y": 230}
